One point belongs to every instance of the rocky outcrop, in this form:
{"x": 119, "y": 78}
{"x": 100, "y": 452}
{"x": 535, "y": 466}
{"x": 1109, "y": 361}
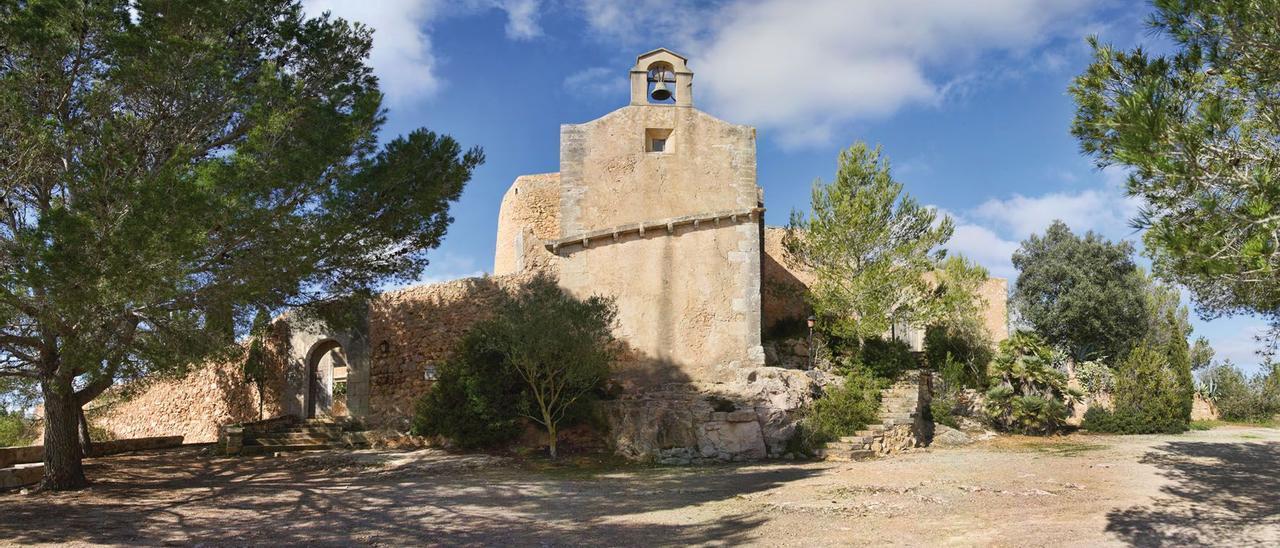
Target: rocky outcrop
{"x": 751, "y": 417}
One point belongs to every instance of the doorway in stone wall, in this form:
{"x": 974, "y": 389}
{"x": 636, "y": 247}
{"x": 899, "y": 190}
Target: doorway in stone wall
{"x": 327, "y": 368}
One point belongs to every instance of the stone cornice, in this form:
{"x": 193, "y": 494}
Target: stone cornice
{"x": 609, "y": 235}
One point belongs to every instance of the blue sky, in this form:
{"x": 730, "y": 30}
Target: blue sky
{"x": 968, "y": 98}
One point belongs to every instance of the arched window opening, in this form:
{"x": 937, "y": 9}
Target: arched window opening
{"x": 662, "y": 83}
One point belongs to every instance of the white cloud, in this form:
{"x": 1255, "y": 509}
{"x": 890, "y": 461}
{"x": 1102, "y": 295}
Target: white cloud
{"x": 645, "y": 23}
{"x": 992, "y": 231}
{"x": 985, "y": 247}
{"x": 402, "y": 56}
{"x": 522, "y": 18}
{"x": 1101, "y": 211}
{"x": 806, "y": 69}
{"x": 600, "y": 81}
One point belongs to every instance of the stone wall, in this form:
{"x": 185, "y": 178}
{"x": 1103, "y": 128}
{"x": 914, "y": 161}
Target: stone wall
{"x": 413, "y": 330}
{"x": 194, "y": 406}
{"x": 1203, "y": 410}
{"x": 996, "y": 318}
{"x": 530, "y": 213}
{"x": 410, "y": 331}
{"x": 784, "y": 284}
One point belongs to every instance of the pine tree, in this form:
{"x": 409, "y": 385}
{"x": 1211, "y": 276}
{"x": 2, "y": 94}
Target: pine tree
{"x": 869, "y": 245}
{"x": 172, "y": 167}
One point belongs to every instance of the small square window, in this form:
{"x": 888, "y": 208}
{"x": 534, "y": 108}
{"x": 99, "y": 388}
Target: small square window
{"x": 657, "y": 140}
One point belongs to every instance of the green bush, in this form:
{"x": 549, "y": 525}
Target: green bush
{"x": 1096, "y": 377}
{"x": 961, "y": 355}
{"x": 841, "y": 411}
{"x": 942, "y": 408}
{"x": 544, "y": 356}
{"x": 1238, "y": 398}
{"x": 1027, "y": 394}
{"x": 1099, "y": 419}
{"x": 476, "y": 400}
{"x": 886, "y": 358}
{"x": 13, "y": 429}
{"x": 1151, "y": 396}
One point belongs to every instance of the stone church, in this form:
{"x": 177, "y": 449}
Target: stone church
{"x": 656, "y": 204}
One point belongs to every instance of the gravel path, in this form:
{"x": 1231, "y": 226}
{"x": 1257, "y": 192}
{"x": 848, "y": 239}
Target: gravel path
{"x": 1218, "y": 487}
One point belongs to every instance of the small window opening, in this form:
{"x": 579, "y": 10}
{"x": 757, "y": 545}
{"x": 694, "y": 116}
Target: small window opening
{"x": 657, "y": 140}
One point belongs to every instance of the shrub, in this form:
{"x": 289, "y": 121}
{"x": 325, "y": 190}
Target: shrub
{"x": 1151, "y": 396}
{"x": 1027, "y": 394}
{"x": 1238, "y": 398}
{"x": 960, "y": 354}
{"x": 1100, "y": 419}
{"x": 886, "y": 358}
{"x": 476, "y": 400}
{"x": 942, "y": 408}
{"x": 1095, "y": 377}
{"x": 544, "y": 356}
{"x": 13, "y": 429}
{"x": 841, "y": 411}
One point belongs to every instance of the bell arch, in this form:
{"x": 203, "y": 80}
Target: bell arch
{"x": 662, "y": 69}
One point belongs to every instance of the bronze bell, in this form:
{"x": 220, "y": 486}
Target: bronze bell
{"x": 660, "y": 91}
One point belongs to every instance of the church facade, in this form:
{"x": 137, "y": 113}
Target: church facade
{"x": 656, "y": 205}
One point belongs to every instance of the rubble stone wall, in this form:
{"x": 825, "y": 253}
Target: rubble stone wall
{"x": 413, "y": 330}
{"x": 530, "y": 212}
{"x": 195, "y": 405}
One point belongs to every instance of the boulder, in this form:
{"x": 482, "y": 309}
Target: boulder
{"x": 731, "y": 441}
{"x": 946, "y": 436}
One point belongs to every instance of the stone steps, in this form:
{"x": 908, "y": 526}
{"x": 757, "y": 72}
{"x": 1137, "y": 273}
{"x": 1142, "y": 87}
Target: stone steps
{"x": 840, "y": 453}
{"x": 250, "y": 450}
{"x": 308, "y": 435}
{"x": 899, "y": 406}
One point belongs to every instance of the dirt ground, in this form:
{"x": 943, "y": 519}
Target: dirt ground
{"x": 1219, "y": 487}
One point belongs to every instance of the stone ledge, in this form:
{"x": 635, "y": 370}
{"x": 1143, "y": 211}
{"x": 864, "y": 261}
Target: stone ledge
{"x": 20, "y": 475}
{"x": 10, "y": 456}
{"x": 584, "y": 240}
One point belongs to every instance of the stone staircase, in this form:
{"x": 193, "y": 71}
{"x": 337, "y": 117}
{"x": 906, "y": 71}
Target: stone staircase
{"x": 900, "y": 407}
{"x": 291, "y": 434}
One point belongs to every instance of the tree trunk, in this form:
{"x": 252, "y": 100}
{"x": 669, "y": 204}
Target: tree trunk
{"x": 62, "y": 468}
{"x": 86, "y": 439}
{"x": 551, "y": 431}
{"x": 551, "y": 446}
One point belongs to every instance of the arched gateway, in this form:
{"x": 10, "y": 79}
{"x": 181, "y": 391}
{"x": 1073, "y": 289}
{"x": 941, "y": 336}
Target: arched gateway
{"x": 328, "y": 370}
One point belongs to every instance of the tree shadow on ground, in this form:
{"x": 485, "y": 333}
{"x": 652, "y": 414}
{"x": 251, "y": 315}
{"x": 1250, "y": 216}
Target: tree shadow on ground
{"x": 181, "y": 497}
{"x": 1220, "y": 494}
